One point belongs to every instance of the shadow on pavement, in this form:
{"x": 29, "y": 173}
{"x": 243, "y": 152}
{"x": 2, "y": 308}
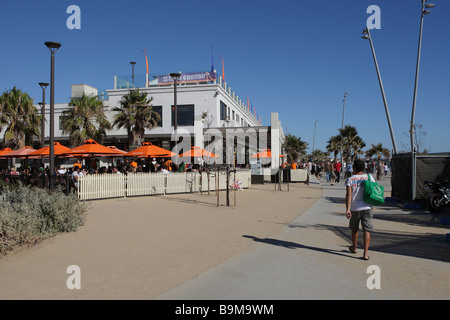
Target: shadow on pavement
{"x": 293, "y": 245}
{"x": 413, "y": 244}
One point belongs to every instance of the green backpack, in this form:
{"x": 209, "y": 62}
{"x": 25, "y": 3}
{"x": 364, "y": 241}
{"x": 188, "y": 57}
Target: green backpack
{"x": 373, "y": 192}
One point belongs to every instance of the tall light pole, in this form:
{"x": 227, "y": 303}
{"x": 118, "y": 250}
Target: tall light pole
{"x": 366, "y": 35}
{"x": 175, "y": 77}
{"x": 342, "y": 127}
{"x": 44, "y": 86}
{"x": 53, "y": 47}
{"x": 314, "y": 138}
{"x": 343, "y": 108}
{"x": 413, "y": 113}
{"x": 132, "y": 67}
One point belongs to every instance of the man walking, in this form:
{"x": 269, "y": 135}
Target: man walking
{"x": 337, "y": 170}
{"x": 356, "y": 209}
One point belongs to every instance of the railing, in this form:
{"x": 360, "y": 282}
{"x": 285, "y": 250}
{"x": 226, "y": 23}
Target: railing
{"x": 104, "y": 186}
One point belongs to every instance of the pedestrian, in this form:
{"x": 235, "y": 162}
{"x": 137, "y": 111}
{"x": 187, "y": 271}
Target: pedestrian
{"x": 385, "y": 168}
{"x": 75, "y": 175}
{"x": 337, "y": 171}
{"x": 328, "y": 169}
{"x": 332, "y": 174}
{"x": 349, "y": 170}
{"x": 356, "y": 209}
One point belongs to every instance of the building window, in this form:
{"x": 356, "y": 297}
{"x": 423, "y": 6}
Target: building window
{"x": 232, "y": 117}
{"x": 158, "y": 110}
{"x": 185, "y": 115}
{"x": 223, "y": 111}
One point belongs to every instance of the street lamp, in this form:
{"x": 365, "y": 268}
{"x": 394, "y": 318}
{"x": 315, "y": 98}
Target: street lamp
{"x": 53, "y": 47}
{"x": 44, "y": 86}
{"x": 342, "y": 127}
{"x": 132, "y": 66}
{"x": 343, "y": 109}
{"x": 366, "y": 35}
{"x": 175, "y": 77}
{"x": 314, "y": 138}
{"x": 413, "y": 113}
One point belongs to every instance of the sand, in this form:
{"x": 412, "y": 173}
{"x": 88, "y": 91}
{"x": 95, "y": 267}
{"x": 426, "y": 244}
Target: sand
{"x": 141, "y": 247}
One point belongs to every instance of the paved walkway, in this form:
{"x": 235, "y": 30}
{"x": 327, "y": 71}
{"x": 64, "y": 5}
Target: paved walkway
{"x": 272, "y": 245}
{"x": 309, "y": 259}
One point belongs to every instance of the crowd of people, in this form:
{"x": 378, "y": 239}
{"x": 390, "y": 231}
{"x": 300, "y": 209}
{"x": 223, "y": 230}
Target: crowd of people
{"x": 36, "y": 174}
{"x": 334, "y": 170}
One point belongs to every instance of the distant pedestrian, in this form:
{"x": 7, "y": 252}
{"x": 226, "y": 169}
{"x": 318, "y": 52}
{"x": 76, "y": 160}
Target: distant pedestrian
{"x": 332, "y": 174}
{"x": 337, "y": 171}
{"x": 349, "y": 170}
{"x": 328, "y": 169}
{"x": 356, "y": 209}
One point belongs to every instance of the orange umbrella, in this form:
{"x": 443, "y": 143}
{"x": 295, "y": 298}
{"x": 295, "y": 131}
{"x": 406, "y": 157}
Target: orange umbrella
{"x": 149, "y": 150}
{"x": 58, "y": 148}
{"x": 197, "y": 152}
{"x": 120, "y": 153}
{"x": 90, "y": 147}
{"x": 3, "y": 151}
{"x": 266, "y": 153}
{"x": 21, "y": 153}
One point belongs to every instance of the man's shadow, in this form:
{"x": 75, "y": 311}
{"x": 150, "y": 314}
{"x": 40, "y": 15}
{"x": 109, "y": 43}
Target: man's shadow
{"x": 293, "y": 245}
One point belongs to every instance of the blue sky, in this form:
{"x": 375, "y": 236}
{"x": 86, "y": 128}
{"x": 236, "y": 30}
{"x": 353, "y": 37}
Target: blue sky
{"x": 293, "y": 57}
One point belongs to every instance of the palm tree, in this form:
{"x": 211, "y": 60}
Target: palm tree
{"x": 320, "y": 156}
{"x": 85, "y": 120}
{"x": 379, "y": 151}
{"x": 21, "y": 118}
{"x": 294, "y": 147}
{"x": 135, "y": 114}
{"x": 334, "y": 145}
{"x": 352, "y": 143}
{"x": 358, "y": 145}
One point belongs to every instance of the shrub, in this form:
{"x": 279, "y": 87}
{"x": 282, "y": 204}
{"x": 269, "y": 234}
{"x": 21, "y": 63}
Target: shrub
{"x": 29, "y": 215}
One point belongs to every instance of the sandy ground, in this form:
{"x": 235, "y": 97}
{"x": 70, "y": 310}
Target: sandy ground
{"x": 139, "y": 248}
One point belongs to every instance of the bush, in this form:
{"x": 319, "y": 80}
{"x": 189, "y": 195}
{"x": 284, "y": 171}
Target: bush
{"x": 29, "y": 215}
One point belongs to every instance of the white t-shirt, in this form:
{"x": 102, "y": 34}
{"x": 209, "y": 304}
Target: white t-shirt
{"x": 75, "y": 175}
{"x": 357, "y": 183}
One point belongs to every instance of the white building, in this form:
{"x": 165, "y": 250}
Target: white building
{"x": 202, "y": 103}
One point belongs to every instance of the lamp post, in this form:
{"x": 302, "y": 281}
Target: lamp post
{"x": 53, "y": 47}
{"x": 413, "y": 113}
{"x": 44, "y": 86}
{"x": 366, "y": 35}
{"x": 314, "y": 138}
{"x": 175, "y": 77}
{"x": 132, "y": 67}
{"x": 343, "y": 108}
{"x": 342, "y": 127}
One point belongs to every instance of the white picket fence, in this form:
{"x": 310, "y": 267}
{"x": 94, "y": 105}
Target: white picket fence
{"x": 103, "y": 186}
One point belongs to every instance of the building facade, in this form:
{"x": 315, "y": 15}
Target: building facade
{"x": 204, "y": 103}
